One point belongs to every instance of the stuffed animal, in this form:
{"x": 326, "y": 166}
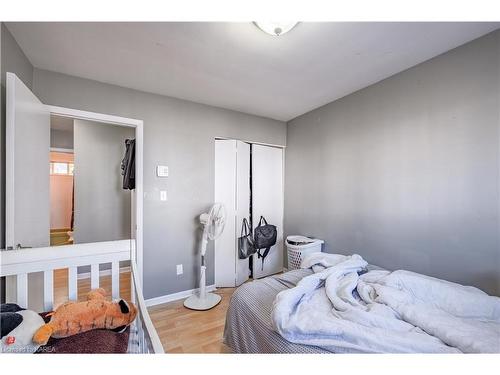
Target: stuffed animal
{"x": 9, "y": 321}
{"x": 19, "y": 339}
{"x": 95, "y": 313}
{"x": 9, "y": 317}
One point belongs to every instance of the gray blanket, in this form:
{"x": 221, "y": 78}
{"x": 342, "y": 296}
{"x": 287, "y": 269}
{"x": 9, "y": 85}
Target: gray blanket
{"x": 248, "y": 322}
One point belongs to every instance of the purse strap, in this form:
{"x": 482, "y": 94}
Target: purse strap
{"x": 262, "y": 219}
{"x": 245, "y": 227}
{"x": 263, "y": 256}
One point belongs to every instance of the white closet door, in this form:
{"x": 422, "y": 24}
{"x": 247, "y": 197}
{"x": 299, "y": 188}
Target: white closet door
{"x": 267, "y": 195}
{"x": 242, "y": 205}
{"x": 232, "y": 188}
{"x": 225, "y": 193}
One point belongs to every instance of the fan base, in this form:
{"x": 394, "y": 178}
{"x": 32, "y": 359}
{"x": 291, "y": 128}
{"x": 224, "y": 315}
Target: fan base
{"x": 196, "y": 303}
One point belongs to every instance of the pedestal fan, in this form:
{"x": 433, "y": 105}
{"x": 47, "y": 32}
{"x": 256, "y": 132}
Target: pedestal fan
{"x": 213, "y": 225}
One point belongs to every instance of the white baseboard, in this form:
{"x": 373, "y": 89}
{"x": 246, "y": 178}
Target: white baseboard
{"x": 175, "y": 296}
{"x": 86, "y": 275}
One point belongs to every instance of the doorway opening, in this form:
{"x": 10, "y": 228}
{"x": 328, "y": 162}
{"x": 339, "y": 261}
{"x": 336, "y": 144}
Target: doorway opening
{"x": 62, "y": 200}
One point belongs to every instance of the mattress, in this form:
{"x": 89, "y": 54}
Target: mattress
{"x": 98, "y": 341}
{"x": 248, "y": 326}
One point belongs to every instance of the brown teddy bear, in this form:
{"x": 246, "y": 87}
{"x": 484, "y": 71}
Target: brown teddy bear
{"x": 95, "y": 313}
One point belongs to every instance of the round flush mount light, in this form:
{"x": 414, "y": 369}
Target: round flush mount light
{"x": 276, "y": 28}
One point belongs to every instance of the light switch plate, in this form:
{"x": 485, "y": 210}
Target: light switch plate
{"x": 163, "y": 195}
{"x": 162, "y": 171}
{"x": 180, "y": 271}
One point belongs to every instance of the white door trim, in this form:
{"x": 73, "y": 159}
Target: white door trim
{"x": 139, "y": 154}
{"x": 9, "y": 159}
{"x": 62, "y": 150}
{"x": 251, "y": 142}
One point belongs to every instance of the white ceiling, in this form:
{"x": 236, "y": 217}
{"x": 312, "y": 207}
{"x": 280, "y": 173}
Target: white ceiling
{"x": 236, "y": 65}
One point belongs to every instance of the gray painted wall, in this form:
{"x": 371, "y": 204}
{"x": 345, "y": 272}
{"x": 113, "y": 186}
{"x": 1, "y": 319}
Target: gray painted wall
{"x": 61, "y": 138}
{"x": 390, "y": 172}
{"x": 179, "y": 134}
{"x": 406, "y": 172}
{"x": 102, "y": 207}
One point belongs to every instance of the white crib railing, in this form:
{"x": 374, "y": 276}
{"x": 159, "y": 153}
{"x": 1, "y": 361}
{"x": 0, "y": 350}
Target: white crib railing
{"x": 144, "y": 338}
{"x": 20, "y": 263}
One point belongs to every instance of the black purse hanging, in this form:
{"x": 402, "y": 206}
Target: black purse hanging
{"x": 245, "y": 241}
{"x": 264, "y": 238}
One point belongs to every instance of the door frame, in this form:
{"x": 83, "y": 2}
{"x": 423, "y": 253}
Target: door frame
{"x": 137, "y": 194}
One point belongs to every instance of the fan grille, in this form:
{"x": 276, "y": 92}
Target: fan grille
{"x": 216, "y": 221}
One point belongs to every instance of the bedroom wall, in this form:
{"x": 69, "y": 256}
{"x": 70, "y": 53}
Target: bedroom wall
{"x": 102, "y": 206}
{"x": 179, "y": 134}
{"x": 406, "y": 172}
{"x": 12, "y": 59}
{"x": 61, "y": 139}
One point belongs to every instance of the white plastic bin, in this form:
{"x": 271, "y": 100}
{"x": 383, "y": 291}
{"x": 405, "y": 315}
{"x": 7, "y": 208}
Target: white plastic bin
{"x": 298, "y": 247}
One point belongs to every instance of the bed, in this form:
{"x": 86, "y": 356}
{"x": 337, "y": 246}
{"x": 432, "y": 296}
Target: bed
{"x": 140, "y": 337}
{"x": 99, "y": 341}
{"x": 344, "y": 309}
{"x": 248, "y": 326}
{"x": 248, "y": 322}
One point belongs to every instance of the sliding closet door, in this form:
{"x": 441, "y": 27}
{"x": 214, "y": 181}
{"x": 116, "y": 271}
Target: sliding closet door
{"x": 267, "y": 195}
{"x": 242, "y": 205}
{"x": 225, "y": 193}
{"x": 232, "y": 188}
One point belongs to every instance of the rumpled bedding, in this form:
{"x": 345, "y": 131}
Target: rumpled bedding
{"x": 342, "y": 308}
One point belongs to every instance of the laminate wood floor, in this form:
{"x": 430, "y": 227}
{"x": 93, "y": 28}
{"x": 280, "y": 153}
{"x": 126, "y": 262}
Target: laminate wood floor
{"x": 181, "y": 330}
{"x": 187, "y": 331}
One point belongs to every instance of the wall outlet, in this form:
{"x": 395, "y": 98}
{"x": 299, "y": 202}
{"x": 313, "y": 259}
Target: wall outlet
{"x": 179, "y": 269}
{"x": 163, "y": 195}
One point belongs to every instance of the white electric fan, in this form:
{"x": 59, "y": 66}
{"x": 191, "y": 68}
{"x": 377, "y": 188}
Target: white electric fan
{"x": 213, "y": 225}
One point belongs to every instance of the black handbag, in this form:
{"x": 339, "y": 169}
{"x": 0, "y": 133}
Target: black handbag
{"x": 264, "y": 238}
{"x": 245, "y": 241}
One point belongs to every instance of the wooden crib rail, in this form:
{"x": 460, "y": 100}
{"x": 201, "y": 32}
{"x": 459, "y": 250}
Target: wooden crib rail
{"x": 47, "y": 259}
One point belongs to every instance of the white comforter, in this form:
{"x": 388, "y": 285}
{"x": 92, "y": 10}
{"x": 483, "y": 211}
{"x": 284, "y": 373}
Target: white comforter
{"x": 384, "y": 312}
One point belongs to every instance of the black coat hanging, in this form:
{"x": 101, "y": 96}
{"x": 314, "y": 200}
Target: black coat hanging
{"x": 128, "y": 165}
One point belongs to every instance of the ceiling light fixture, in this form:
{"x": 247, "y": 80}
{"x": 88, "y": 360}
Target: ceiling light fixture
{"x": 276, "y": 28}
